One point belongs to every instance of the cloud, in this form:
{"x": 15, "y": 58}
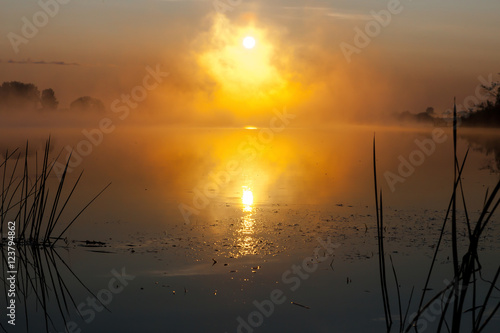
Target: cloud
{"x": 298, "y": 12}
{"x": 39, "y": 62}
{"x": 215, "y": 81}
{"x": 349, "y": 16}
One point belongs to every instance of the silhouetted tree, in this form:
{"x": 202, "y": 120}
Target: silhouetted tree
{"x": 493, "y": 92}
{"x": 430, "y": 111}
{"x": 487, "y": 114}
{"x": 49, "y": 100}
{"x": 493, "y": 89}
{"x": 17, "y": 95}
{"x": 87, "y": 103}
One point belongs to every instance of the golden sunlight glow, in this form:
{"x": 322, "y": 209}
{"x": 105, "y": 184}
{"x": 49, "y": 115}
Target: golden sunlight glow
{"x": 246, "y": 240}
{"x": 249, "y": 42}
{"x": 247, "y": 198}
{"x": 238, "y": 73}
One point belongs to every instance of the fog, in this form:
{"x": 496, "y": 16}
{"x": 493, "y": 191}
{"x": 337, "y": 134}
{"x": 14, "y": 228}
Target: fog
{"x": 298, "y": 62}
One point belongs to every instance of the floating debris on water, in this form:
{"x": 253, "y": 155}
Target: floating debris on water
{"x": 298, "y": 304}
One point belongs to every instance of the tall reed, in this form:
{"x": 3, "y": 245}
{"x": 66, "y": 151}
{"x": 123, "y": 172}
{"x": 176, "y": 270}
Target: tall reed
{"x": 29, "y": 200}
{"x": 466, "y": 269}
{"x": 32, "y": 196}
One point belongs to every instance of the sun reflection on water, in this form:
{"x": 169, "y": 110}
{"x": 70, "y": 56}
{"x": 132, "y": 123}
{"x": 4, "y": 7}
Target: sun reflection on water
{"x": 246, "y": 241}
{"x": 247, "y": 199}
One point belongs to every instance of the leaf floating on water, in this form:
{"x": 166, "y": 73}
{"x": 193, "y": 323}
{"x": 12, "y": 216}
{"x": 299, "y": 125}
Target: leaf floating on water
{"x": 101, "y": 251}
{"x": 298, "y": 304}
{"x": 88, "y": 243}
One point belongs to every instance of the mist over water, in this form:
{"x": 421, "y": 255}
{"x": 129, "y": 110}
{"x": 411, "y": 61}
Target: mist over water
{"x": 234, "y": 143}
{"x": 155, "y": 168}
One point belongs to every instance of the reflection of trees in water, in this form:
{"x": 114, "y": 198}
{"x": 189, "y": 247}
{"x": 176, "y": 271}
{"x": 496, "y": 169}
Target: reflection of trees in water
{"x": 486, "y": 143}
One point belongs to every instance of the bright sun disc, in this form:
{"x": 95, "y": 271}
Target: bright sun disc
{"x": 247, "y": 198}
{"x": 249, "y": 42}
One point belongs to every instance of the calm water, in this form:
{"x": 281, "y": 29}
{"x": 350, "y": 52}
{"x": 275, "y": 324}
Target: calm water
{"x": 211, "y": 223}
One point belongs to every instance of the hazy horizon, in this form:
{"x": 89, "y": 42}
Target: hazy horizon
{"x": 421, "y": 56}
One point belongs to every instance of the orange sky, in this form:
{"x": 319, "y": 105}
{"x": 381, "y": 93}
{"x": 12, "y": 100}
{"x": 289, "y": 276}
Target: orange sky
{"x": 423, "y": 54}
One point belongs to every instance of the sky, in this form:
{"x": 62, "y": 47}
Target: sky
{"x": 329, "y": 60}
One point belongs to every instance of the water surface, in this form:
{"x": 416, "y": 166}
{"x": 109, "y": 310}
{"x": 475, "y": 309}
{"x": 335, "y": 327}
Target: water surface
{"x": 211, "y": 220}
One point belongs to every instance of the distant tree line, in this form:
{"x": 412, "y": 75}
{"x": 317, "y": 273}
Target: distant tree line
{"x": 423, "y": 117}
{"x": 19, "y": 96}
{"x": 485, "y": 114}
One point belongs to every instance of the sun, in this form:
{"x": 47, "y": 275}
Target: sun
{"x": 249, "y": 42}
{"x": 247, "y": 198}
{"x": 241, "y": 62}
